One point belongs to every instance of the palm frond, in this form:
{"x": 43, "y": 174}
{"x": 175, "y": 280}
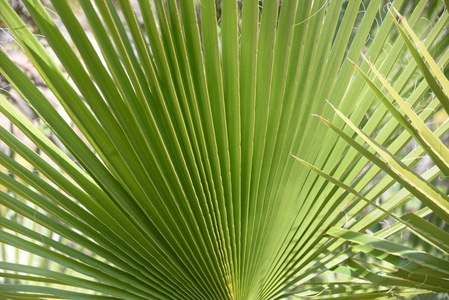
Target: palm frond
{"x": 175, "y": 179}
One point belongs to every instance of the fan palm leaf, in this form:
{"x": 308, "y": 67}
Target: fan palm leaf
{"x": 176, "y": 178}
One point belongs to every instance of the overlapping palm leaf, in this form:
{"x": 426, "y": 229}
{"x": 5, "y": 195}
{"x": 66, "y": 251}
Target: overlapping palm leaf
{"x": 186, "y": 187}
{"x": 409, "y": 267}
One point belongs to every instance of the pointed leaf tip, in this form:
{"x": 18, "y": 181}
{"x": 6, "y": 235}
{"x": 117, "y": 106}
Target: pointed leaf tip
{"x": 302, "y": 161}
{"x": 353, "y": 63}
{"x": 399, "y": 15}
{"x": 331, "y": 105}
{"x": 321, "y": 118}
{"x": 298, "y": 159}
{"x": 367, "y": 60}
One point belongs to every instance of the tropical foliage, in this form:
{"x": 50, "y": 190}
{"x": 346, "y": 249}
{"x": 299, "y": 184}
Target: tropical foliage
{"x": 174, "y": 175}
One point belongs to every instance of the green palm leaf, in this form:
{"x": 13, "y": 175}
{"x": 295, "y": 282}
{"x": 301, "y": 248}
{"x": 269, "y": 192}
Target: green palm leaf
{"x": 175, "y": 179}
{"x": 418, "y": 268}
